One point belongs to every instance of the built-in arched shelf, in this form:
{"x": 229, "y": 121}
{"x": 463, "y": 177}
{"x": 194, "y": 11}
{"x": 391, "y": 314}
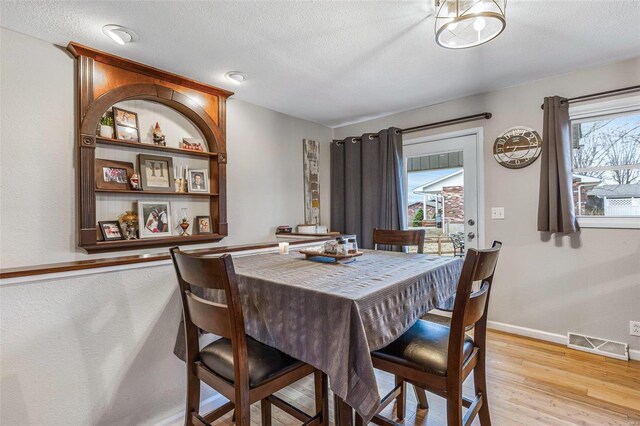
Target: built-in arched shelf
{"x": 104, "y": 81}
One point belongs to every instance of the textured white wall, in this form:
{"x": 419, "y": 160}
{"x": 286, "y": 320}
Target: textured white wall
{"x": 97, "y": 349}
{"x": 589, "y": 285}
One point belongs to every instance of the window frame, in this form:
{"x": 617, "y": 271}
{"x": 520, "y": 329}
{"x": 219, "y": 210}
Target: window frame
{"x": 592, "y": 111}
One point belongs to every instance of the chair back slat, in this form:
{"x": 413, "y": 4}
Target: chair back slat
{"x": 399, "y": 238}
{"x": 205, "y": 272}
{"x": 476, "y": 305}
{"x": 485, "y": 264}
{"x": 209, "y": 316}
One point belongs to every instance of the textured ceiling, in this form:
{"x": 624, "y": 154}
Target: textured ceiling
{"x": 340, "y": 62}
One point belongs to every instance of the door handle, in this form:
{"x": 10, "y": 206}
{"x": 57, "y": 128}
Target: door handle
{"x": 471, "y": 236}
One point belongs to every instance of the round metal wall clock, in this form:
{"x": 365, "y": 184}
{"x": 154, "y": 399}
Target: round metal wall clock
{"x": 517, "y": 147}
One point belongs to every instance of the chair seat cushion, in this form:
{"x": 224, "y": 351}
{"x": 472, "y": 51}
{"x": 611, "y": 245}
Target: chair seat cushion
{"x": 265, "y": 362}
{"x": 424, "y": 347}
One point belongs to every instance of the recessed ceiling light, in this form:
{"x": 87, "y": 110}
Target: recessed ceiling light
{"x": 119, "y": 34}
{"x": 236, "y": 77}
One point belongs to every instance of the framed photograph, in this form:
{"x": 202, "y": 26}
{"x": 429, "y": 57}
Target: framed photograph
{"x": 154, "y": 219}
{"x": 122, "y": 117}
{"x": 156, "y": 173}
{"x": 198, "y": 180}
{"x": 129, "y": 134}
{"x": 203, "y": 225}
{"x": 111, "y": 230}
{"x": 113, "y": 174}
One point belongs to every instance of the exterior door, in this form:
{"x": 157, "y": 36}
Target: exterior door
{"x": 442, "y": 179}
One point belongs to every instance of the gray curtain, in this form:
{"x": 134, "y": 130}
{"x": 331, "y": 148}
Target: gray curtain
{"x": 556, "y": 211}
{"x": 367, "y": 185}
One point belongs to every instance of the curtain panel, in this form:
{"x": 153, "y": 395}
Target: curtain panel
{"x": 556, "y": 210}
{"x": 367, "y": 185}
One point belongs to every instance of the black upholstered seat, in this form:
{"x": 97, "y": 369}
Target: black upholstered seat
{"x": 425, "y": 346}
{"x": 265, "y": 362}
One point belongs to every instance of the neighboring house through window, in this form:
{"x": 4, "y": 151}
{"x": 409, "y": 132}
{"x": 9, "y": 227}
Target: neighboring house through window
{"x": 606, "y": 163}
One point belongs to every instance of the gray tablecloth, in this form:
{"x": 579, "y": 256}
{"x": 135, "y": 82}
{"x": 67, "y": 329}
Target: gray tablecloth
{"x": 332, "y": 316}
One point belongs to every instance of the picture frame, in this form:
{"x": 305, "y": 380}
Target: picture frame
{"x": 156, "y": 173}
{"x": 112, "y": 174}
{"x": 122, "y": 117}
{"x": 110, "y": 230}
{"x": 198, "y": 180}
{"x": 154, "y": 219}
{"x": 128, "y": 134}
{"x": 202, "y": 225}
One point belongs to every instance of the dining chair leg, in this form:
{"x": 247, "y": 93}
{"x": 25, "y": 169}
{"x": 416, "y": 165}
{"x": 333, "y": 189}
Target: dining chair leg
{"x": 343, "y": 412}
{"x": 480, "y": 382}
{"x": 321, "y": 384}
{"x": 265, "y": 411}
{"x": 401, "y": 400}
{"x": 193, "y": 396}
{"x": 454, "y": 403}
{"x": 243, "y": 409}
{"x": 421, "y": 396}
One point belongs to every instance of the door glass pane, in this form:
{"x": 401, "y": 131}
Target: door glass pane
{"x": 436, "y": 201}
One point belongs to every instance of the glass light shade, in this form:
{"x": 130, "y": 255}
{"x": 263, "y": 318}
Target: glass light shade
{"x": 467, "y": 23}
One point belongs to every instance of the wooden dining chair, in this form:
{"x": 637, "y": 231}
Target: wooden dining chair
{"x": 439, "y": 358}
{"x": 391, "y": 237}
{"x": 240, "y": 368}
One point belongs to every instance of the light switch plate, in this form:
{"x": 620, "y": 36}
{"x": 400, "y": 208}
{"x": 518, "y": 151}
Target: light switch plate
{"x": 497, "y": 212}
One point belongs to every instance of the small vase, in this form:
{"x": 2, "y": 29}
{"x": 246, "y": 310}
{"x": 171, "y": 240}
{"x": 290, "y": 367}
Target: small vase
{"x": 106, "y": 131}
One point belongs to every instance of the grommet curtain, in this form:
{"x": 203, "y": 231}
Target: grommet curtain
{"x": 556, "y": 210}
{"x": 367, "y": 184}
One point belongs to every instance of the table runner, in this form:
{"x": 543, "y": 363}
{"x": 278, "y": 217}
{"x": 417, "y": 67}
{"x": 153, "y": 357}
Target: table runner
{"x": 332, "y": 316}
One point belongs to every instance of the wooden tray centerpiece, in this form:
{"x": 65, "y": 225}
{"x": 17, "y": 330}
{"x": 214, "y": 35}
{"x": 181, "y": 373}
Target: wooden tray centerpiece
{"x": 329, "y": 257}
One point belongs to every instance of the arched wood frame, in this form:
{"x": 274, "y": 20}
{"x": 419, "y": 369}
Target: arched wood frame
{"x": 161, "y": 94}
{"x": 131, "y": 80}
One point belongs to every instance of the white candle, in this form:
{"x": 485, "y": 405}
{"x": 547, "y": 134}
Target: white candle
{"x": 284, "y": 248}
{"x": 186, "y": 173}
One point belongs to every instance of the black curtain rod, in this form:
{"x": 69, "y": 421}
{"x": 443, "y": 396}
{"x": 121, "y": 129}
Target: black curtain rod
{"x": 599, "y": 95}
{"x": 483, "y": 116}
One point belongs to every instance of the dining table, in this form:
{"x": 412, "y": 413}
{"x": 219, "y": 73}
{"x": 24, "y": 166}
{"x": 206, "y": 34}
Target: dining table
{"x": 332, "y": 315}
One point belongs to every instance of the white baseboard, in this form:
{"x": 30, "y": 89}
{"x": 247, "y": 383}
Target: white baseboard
{"x": 206, "y": 406}
{"x": 543, "y": 335}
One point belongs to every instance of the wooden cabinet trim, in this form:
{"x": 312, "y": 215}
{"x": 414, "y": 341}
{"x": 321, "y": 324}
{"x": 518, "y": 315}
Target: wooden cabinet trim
{"x": 104, "y": 80}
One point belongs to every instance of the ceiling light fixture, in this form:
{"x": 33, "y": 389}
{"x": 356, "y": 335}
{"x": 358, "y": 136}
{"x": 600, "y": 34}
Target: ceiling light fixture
{"x": 119, "y": 34}
{"x": 468, "y": 23}
{"x": 236, "y": 77}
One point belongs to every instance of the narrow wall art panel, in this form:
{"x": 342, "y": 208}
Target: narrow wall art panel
{"x": 310, "y": 159}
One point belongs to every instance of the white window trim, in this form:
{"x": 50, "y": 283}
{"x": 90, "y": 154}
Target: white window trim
{"x": 594, "y": 110}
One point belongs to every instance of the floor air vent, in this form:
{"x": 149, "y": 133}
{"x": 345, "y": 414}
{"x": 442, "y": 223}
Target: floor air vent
{"x": 594, "y": 345}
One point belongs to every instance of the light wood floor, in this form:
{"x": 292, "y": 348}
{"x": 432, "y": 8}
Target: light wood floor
{"x": 530, "y": 383}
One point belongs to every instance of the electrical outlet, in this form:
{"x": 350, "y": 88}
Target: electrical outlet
{"x": 634, "y": 328}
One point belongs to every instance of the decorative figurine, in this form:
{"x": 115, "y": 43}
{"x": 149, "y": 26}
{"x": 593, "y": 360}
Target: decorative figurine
{"x": 192, "y": 144}
{"x": 134, "y": 181}
{"x": 158, "y": 136}
{"x": 130, "y": 219}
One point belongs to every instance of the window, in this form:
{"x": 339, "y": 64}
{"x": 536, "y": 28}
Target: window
{"x": 606, "y": 163}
